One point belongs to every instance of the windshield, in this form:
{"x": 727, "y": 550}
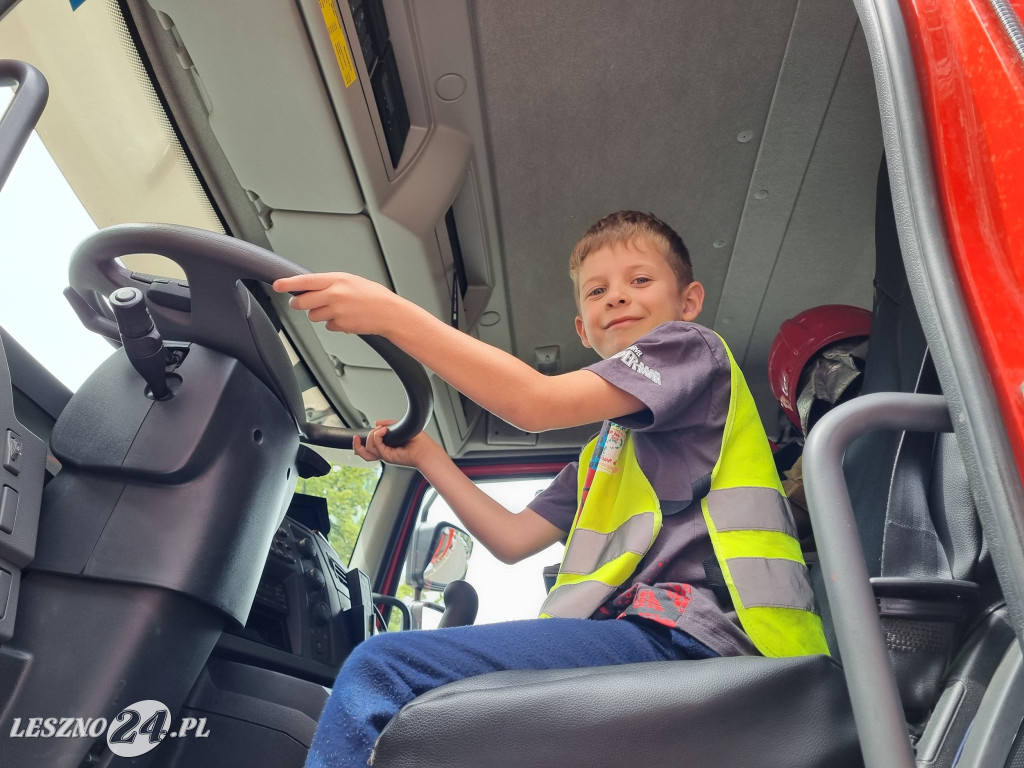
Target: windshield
{"x": 103, "y": 153}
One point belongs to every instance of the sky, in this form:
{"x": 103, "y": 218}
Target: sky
{"x": 41, "y": 221}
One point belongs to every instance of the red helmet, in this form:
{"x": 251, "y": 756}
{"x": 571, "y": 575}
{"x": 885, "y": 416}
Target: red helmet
{"x": 800, "y": 337}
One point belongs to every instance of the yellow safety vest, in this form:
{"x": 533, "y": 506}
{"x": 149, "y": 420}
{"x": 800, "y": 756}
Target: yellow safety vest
{"x": 747, "y": 517}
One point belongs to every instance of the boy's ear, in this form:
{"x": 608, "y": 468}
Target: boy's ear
{"x": 582, "y": 332}
{"x": 693, "y": 301}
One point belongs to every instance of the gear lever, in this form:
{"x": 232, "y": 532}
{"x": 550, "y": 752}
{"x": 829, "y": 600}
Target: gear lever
{"x": 141, "y": 339}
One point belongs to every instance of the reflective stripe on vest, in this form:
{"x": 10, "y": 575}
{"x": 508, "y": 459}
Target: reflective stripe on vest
{"x": 748, "y": 521}
{"x": 618, "y": 523}
{"x": 754, "y": 537}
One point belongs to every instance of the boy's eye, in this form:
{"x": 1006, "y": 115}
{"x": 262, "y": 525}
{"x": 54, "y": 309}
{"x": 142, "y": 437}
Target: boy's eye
{"x": 641, "y": 279}
{"x": 594, "y": 292}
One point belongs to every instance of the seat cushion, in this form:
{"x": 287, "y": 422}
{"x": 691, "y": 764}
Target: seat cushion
{"x": 740, "y": 711}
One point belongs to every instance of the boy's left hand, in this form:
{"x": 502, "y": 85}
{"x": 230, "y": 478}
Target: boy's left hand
{"x": 343, "y": 301}
{"x": 413, "y": 454}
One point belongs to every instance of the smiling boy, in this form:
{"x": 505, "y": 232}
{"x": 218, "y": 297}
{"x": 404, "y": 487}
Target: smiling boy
{"x": 673, "y": 517}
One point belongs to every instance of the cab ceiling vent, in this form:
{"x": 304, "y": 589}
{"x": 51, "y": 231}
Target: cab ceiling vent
{"x": 500, "y": 432}
{"x": 372, "y": 31}
{"x": 457, "y": 259}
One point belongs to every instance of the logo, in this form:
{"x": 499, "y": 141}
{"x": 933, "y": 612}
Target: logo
{"x": 630, "y": 357}
{"x": 133, "y": 731}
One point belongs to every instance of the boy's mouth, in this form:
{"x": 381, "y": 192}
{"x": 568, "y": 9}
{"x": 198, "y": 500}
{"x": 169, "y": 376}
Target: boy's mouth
{"x": 620, "y": 321}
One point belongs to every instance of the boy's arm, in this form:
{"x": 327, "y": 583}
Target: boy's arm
{"x": 509, "y": 537}
{"x": 498, "y": 381}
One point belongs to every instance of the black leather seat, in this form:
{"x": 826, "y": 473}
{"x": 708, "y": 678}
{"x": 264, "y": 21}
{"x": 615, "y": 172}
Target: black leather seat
{"x": 746, "y": 711}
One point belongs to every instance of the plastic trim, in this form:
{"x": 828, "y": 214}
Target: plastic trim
{"x": 999, "y": 717}
{"x": 33, "y": 380}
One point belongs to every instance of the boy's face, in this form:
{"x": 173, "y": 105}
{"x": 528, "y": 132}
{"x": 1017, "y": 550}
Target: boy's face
{"x": 626, "y": 290}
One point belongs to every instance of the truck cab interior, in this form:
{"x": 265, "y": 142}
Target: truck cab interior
{"x": 153, "y": 546}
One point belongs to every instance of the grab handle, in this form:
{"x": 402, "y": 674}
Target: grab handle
{"x": 21, "y": 116}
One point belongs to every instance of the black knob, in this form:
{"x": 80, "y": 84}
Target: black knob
{"x": 315, "y": 578}
{"x": 307, "y": 547}
{"x": 320, "y": 614}
{"x": 133, "y": 318}
{"x": 141, "y": 339}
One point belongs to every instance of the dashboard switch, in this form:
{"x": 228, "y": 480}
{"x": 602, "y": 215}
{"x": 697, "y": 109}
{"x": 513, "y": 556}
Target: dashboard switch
{"x": 306, "y": 547}
{"x": 315, "y": 579}
{"x": 8, "y": 508}
{"x": 12, "y": 452}
{"x": 320, "y": 614}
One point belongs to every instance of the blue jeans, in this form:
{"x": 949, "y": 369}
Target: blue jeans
{"x": 390, "y": 670}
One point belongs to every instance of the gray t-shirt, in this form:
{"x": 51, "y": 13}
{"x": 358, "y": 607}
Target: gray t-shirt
{"x": 680, "y": 371}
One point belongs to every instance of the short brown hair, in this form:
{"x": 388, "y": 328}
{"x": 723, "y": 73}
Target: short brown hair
{"x": 623, "y": 227}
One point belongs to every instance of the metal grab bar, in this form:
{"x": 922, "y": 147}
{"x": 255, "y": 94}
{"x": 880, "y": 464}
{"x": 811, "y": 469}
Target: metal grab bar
{"x": 17, "y": 123}
{"x": 877, "y": 711}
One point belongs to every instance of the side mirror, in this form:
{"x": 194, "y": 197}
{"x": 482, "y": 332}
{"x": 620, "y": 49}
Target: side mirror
{"x": 440, "y": 555}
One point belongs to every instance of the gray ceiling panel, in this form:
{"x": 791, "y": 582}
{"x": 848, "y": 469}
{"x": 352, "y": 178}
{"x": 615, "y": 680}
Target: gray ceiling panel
{"x": 832, "y": 264}
{"x": 806, "y": 84}
{"x": 621, "y": 108}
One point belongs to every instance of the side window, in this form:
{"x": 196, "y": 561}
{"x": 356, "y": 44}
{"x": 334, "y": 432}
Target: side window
{"x": 42, "y": 221}
{"x": 104, "y": 153}
{"x": 348, "y": 491}
{"x": 506, "y": 592}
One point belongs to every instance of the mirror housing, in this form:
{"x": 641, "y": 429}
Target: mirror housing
{"x": 440, "y": 555}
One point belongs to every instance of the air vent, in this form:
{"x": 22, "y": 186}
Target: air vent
{"x": 500, "y": 432}
{"x": 372, "y": 31}
{"x": 457, "y": 261}
{"x": 340, "y": 579}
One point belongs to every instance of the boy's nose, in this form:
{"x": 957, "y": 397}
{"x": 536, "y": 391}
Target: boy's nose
{"x": 615, "y": 297}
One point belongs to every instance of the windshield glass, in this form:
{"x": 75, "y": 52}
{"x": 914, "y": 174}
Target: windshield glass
{"x": 103, "y": 153}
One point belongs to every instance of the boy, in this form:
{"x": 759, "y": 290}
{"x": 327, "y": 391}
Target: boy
{"x": 674, "y": 516}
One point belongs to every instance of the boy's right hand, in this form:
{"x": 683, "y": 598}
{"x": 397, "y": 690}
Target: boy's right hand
{"x": 412, "y": 454}
{"x": 344, "y": 302}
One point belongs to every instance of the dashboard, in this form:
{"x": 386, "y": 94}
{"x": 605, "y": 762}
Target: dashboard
{"x": 309, "y": 612}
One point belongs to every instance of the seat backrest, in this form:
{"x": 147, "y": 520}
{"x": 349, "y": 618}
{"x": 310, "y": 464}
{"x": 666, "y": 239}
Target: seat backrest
{"x": 909, "y": 491}
{"x": 931, "y": 530}
{"x": 896, "y": 358}
{"x": 917, "y": 522}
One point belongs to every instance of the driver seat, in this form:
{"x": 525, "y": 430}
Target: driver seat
{"x": 739, "y": 711}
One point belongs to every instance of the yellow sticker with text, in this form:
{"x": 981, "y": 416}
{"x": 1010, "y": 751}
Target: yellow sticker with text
{"x": 341, "y": 49}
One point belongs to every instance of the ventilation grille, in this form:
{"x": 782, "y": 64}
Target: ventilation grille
{"x": 372, "y": 31}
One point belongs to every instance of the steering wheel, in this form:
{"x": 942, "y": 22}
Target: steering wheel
{"x": 213, "y": 308}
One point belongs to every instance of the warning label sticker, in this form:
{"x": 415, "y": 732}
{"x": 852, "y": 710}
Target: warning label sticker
{"x": 341, "y": 49}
